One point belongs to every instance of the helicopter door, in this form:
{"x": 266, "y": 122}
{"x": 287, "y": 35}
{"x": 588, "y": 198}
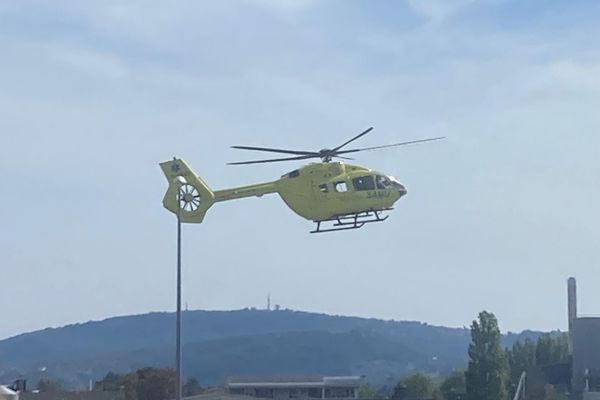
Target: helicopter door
{"x": 342, "y": 192}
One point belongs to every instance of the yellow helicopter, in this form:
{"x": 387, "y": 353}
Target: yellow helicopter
{"x": 346, "y": 196}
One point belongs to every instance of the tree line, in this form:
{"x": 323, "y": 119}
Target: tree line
{"x": 493, "y": 372}
{"x": 147, "y": 384}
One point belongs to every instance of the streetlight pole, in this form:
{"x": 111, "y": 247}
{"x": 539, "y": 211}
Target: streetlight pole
{"x": 179, "y": 182}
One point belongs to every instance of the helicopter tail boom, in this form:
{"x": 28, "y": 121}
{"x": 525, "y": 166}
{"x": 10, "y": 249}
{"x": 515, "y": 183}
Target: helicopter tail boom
{"x": 256, "y": 190}
{"x": 194, "y": 195}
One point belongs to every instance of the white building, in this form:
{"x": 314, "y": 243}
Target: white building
{"x": 8, "y": 394}
{"x": 323, "y": 387}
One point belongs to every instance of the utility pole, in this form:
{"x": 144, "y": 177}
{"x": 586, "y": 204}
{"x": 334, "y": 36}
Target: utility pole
{"x": 179, "y": 181}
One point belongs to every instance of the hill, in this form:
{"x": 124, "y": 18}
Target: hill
{"x": 243, "y": 342}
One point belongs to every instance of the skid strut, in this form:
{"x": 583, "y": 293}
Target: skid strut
{"x": 351, "y": 221}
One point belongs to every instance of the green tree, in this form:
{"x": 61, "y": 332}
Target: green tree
{"x": 367, "y": 391}
{"x": 155, "y": 383}
{"x": 543, "y": 350}
{"x": 146, "y": 384}
{"x": 560, "y": 351}
{"x": 400, "y": 392}
{"x": 520, "y": 357}
{"x": 551, "y": 350}
{"x": 110, "y": 383}
{"x": 486, "y": 375}
{"x": 453, "y": 387}
{"x": 49, "y": 385}
{"x": 419, "y": 386}
{"x": 116, "y": 382}
{"x": 130, "y": 386}
{"x": 191, "y": 387}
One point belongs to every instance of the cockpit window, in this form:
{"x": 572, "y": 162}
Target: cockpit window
{"x": 294, "y": 173}
{"x": 363, "y": 183}
{"x": 383, "y": 182}
{"x": 388, "y": 182}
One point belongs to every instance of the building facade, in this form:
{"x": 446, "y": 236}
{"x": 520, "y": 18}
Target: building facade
{"x": 584, "y": 339}
{"x": 586, "y": 356}
{"x": 324, "y": 387}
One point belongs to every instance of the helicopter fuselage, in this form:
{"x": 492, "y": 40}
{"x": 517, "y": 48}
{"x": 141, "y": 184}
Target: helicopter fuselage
{"x": 320, "y": 191}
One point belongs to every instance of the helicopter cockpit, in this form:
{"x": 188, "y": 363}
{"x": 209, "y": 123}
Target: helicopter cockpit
{"x": 388, "y": 182}
{"x": 377, "y": 182}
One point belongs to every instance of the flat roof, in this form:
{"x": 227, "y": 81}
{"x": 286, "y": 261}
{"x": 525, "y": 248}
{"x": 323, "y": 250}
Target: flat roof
{"x": 296, "y": 382}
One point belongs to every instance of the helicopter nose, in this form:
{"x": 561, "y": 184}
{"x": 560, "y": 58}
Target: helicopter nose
{"x": 402, "y": 190}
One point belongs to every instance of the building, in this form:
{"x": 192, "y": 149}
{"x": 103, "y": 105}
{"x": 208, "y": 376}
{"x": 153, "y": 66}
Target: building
{"x": 64, "y": 395}
{"x": 586, "y": 357}
{"x": 218, "y": 394}
{"x": 322, "y": 387}
{"x": 584, "y": 340}
{"x": 7, "y": 393}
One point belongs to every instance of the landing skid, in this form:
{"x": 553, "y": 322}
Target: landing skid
{"x": 351, "y": 221}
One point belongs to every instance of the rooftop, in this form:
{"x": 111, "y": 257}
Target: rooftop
{"x": 294, "y": 381}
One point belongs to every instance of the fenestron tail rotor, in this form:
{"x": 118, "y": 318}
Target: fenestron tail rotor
{"x": 326, "y": 155}
{"x": 189, "y": 197}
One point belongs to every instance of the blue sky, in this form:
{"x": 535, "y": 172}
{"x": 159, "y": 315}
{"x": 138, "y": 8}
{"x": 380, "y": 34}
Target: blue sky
{"x": 95, "y": 94}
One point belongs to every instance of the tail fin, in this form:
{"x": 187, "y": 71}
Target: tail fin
{"x": 196, "y": 196}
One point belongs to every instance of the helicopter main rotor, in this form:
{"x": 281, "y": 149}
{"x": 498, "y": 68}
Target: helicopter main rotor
{"x": 326, "y": 155}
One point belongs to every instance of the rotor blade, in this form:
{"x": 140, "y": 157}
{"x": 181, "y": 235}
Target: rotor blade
{"x": 274, "y": 160}
{"x": 284, "y": 151}
{"x": 344, "y": 158}
{"x": 354, "y": 138}
{"x": 390, "y": 145}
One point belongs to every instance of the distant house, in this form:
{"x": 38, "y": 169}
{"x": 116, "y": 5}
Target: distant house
{"x": 278, "y": 388}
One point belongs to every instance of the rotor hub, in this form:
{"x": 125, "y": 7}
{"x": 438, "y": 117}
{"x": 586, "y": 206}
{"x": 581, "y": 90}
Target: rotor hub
{"x": 326, "y": 155}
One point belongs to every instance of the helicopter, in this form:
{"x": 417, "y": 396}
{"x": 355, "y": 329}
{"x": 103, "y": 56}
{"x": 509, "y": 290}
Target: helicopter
{"x": 335, "y": 195}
